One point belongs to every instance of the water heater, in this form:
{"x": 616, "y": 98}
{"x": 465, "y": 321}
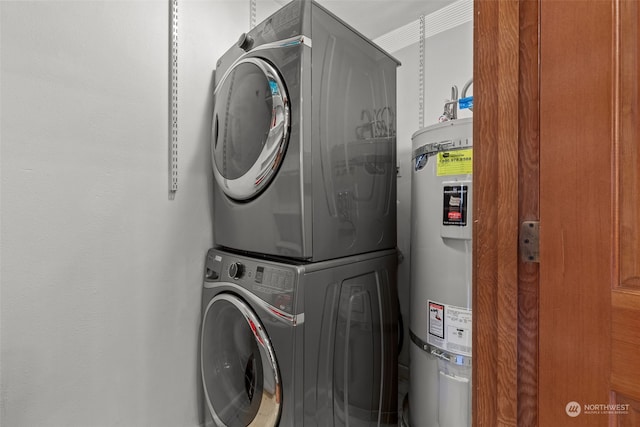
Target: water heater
{"x": 441, "y": 227}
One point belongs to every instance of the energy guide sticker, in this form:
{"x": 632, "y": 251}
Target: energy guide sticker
{"x": 456, "y": 162}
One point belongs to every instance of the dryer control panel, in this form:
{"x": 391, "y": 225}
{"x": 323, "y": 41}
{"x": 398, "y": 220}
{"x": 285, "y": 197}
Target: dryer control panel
{"x": 272, "y": 282}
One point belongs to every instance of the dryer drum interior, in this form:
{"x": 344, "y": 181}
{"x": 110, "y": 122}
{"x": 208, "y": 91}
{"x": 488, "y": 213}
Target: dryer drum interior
{"x": 250, "y": 127}
{"x": 239, "y": 370}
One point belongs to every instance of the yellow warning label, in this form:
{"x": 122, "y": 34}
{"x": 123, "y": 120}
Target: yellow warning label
{"x": 457, "y": 162}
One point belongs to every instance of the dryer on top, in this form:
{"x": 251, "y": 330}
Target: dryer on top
{"x": 304, "y": 139}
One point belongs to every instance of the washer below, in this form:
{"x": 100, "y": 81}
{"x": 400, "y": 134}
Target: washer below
{"x": 299, "y": 344}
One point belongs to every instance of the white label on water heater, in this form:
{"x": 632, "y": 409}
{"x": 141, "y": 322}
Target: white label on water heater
{"x": 436, "y": 319}
{"x": 449, "y": 328}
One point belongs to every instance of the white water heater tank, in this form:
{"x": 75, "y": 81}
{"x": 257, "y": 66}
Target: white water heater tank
{"x": 441, "y": 230}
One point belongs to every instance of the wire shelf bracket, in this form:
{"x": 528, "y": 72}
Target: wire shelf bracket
{"x": 173, "y": 101}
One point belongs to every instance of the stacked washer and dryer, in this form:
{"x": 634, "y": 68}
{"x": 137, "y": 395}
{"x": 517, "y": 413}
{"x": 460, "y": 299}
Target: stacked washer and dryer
{"x": 299, "y": 310}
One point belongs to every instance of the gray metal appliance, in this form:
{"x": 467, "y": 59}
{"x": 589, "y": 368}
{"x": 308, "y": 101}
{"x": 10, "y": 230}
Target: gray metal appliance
{"x": 440, "y": 385}
{"x": 304, "y": 139}
{"x": 299, "y": 344}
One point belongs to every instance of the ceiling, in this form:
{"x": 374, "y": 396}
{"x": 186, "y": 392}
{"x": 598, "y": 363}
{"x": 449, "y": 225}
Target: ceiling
{"x": 374, "y": 18}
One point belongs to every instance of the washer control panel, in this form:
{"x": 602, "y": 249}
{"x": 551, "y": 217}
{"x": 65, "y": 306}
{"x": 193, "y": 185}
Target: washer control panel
{"x": 270, "y": 281}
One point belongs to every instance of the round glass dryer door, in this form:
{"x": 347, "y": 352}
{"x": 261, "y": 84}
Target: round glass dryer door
{"x": 250, "y": 128}
{"x": 239, "y": 371}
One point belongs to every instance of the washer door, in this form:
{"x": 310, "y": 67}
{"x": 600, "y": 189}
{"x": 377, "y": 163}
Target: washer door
{"x": 250, "y": 128}
{"x": 239, "y": 370}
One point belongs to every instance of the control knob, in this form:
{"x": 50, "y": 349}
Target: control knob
{"x": 236, "y": 270}
{"x": 245, "y": 42}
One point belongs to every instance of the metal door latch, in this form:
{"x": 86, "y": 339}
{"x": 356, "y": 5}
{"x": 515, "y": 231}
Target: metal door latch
{"x": 530, "y": 241}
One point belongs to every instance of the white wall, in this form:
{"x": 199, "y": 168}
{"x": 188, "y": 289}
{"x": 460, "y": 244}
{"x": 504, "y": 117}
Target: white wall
{"x": 101, "y": 273}
{"x": 448, "y": 61}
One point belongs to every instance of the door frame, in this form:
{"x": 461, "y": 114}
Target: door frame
{"x": 506, "y": 179}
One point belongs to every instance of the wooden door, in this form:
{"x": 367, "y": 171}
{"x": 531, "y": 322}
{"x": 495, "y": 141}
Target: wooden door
{"x": 556, "y": 123}
{"x": 625, "y": 297}
{"x": 589, "y": 307}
